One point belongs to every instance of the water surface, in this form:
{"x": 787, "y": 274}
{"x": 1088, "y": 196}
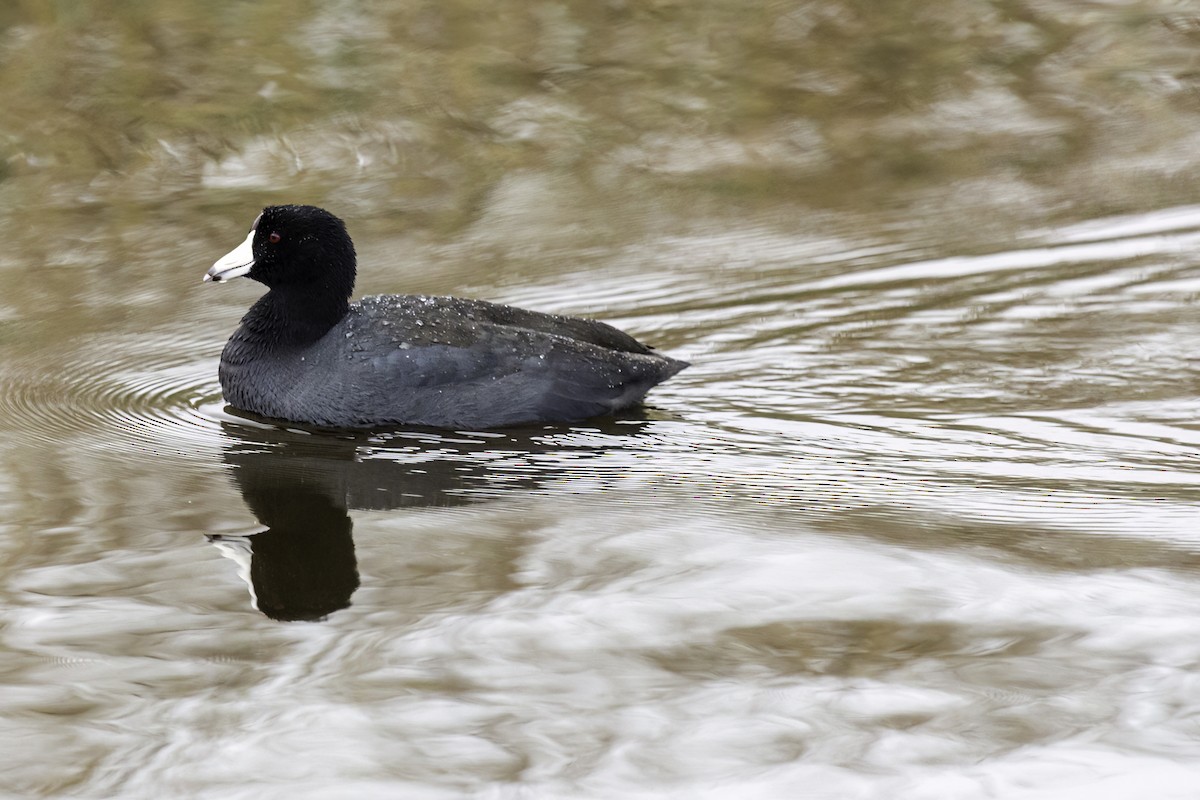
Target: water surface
{"x": 918, "y": 523}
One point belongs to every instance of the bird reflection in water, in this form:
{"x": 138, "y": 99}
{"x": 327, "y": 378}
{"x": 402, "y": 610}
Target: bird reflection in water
{"x": 302, "y": 484}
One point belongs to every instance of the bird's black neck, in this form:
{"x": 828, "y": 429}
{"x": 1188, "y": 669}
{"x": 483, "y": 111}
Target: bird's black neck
{"x": 286, "y": 317}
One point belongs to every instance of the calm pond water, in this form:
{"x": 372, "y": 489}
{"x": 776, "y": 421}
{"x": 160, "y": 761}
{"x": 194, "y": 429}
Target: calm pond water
{"x": 920, "y": 522}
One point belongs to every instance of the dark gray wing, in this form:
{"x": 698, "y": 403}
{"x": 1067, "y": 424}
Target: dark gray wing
{"x": 449, "y": 361}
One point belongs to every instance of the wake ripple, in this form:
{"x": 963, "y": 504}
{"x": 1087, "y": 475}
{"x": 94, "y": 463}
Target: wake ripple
{"x": 146, "y": 394}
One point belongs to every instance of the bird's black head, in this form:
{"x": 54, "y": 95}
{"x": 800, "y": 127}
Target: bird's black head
{"x": 301, "y": 248}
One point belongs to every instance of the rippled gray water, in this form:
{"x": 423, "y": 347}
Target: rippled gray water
{"x": 918, "y": 523}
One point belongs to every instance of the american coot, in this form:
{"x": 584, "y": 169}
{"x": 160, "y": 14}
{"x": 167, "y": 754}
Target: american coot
{"x": 305, "y": 353}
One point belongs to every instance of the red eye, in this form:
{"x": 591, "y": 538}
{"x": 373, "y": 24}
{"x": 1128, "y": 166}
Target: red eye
{"x": 274, "y": 238}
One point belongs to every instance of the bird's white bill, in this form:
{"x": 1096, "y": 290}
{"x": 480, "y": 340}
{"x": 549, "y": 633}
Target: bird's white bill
{"x": 234, "y": 264}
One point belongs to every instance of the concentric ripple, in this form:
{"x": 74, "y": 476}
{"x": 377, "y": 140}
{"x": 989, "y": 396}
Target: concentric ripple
{"x": 147, "y": 393}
